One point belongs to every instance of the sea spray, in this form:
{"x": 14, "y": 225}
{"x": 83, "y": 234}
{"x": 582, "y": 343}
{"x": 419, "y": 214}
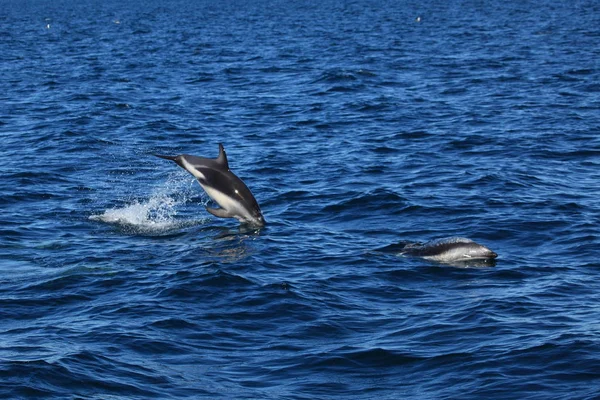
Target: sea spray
{"x": 163, "y": 210}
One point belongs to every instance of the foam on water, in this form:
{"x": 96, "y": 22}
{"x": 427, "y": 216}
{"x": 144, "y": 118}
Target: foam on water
{"x": 154, "y": 213}
{"x": 157, "y": 214}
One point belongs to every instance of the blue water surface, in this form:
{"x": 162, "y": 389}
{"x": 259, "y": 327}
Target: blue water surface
{"x": 357, "y": 125}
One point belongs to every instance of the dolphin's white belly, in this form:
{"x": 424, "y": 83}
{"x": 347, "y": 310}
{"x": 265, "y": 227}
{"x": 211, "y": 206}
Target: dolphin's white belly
{"x": 232, "y": 206}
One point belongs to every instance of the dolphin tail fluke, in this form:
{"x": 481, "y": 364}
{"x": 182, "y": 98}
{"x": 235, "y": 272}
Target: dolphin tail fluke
{"x": 172, "y": 158}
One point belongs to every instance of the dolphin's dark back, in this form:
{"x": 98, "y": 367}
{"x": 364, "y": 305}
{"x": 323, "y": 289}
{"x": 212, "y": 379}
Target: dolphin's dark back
{"x": 219, "y": 163}
{"x": 437, "y": 248}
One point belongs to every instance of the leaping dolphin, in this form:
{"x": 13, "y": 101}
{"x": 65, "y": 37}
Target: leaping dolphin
{"x": 223, "y": 186}
{"x": 450, "y": 250}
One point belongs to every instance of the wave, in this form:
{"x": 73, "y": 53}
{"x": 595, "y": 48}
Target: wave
{"x": 373, "y": 200}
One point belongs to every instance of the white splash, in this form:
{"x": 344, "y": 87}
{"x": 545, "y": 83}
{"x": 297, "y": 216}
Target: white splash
{"x": 157, "y": 214}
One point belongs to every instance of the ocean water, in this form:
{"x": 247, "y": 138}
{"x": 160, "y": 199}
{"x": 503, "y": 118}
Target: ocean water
{"x": 357, "y": 125}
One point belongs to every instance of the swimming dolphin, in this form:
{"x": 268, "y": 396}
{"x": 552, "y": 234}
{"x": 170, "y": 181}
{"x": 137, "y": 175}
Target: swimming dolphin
{"x": 451, "y": 250}
{"x": 221, "y": 185}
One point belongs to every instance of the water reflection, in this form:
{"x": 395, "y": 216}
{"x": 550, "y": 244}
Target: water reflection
{"x": 228, "y": 244}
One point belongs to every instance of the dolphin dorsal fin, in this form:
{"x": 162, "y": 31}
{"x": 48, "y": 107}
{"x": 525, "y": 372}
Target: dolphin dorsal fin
{"x": 222, "y": 159}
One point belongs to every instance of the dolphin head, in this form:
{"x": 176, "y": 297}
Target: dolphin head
{"x": 257, "y": 218}
{"x": 476, "y": 252}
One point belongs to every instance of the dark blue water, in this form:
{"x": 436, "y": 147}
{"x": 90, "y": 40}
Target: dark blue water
{"x": 357, "y": 125}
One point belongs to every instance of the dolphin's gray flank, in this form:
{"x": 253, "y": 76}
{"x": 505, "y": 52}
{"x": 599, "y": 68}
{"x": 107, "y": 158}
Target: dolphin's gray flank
{"x": 223, "y": 186}
{"x": 448, "y": 250}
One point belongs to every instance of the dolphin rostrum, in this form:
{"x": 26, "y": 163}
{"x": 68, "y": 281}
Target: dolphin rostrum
{"x": 453, "y": 250}
{"x": 223, "y": 186}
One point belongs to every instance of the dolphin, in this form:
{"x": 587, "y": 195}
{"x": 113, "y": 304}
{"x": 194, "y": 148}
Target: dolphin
{"x": 452, "y": 250}
{"x": 223, "y": 186}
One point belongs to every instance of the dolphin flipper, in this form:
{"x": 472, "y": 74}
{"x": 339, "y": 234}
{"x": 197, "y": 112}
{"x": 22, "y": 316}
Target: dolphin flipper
{"x": 219, "y": 212}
